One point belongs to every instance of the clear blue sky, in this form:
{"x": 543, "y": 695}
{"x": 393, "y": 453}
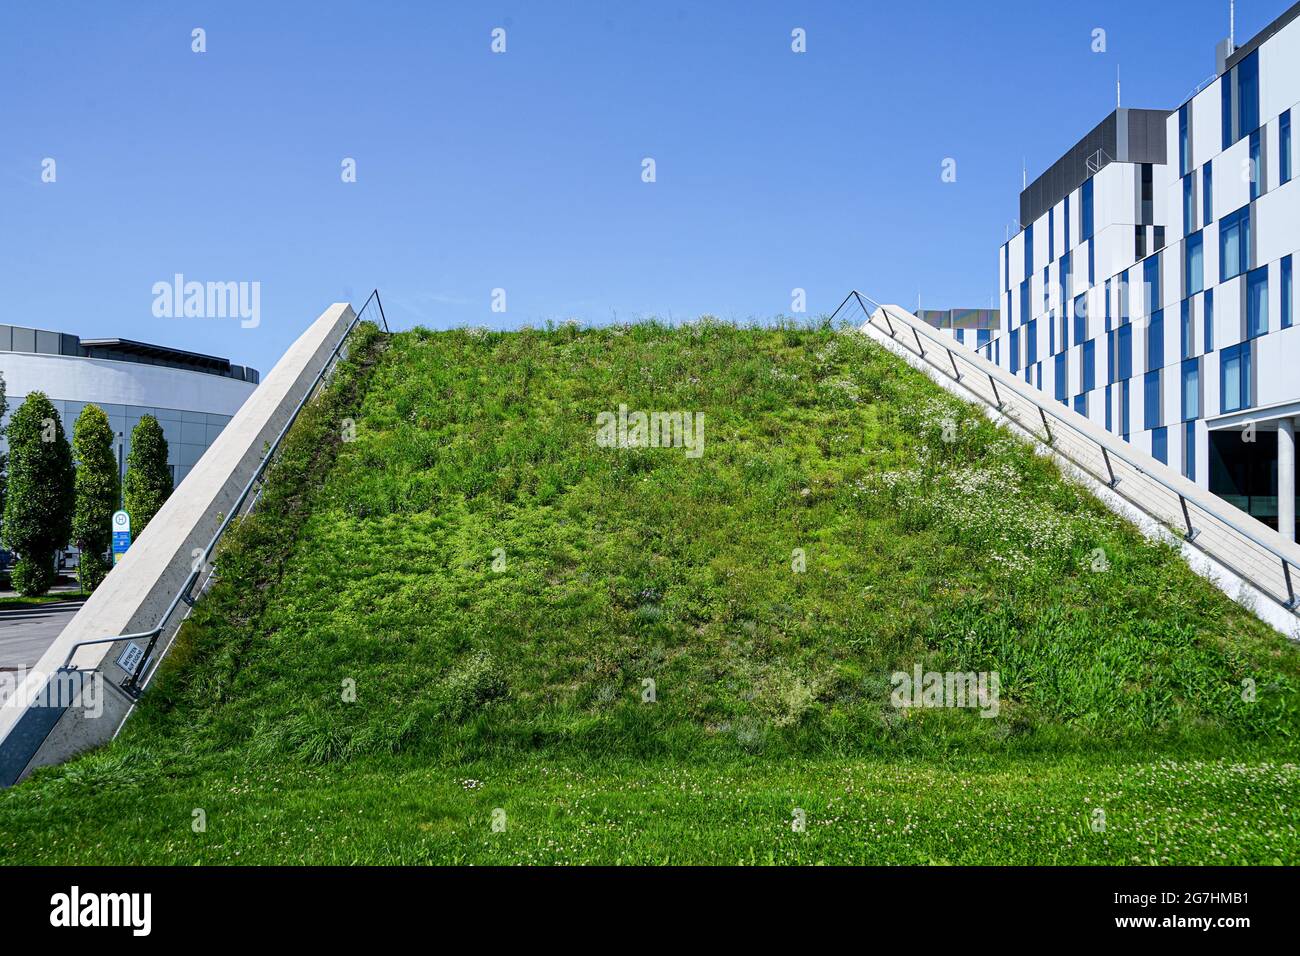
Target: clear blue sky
{"x": 523, "y": 170}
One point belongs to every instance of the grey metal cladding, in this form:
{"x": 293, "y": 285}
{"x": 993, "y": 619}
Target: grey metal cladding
{"x": 1141, "y": 141}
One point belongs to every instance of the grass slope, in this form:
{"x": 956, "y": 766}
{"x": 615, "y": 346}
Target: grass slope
{"x": 458, "y": 611}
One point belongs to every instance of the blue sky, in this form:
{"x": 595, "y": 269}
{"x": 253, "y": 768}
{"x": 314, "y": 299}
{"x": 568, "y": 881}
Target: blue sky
{"x": 522, "y": 170}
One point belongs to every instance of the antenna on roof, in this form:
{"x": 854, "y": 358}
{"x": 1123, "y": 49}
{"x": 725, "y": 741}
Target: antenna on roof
{"x": 1024, "y": 174}
{"x": 1117, "y": 104}
{"x": 1232, "y": 22}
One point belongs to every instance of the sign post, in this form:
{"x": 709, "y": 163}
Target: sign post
{"x": 121, "y": 534}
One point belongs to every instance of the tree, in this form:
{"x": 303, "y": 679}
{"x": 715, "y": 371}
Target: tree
{"x": 38, "y": 505}
{"x": 4, "y": 458}
{"x": 96, "y": 494}
{"x": 148, "y": 479}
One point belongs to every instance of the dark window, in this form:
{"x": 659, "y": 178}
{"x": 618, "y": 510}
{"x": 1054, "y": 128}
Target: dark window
{"x": 1031, "y": 342}
{"x": 1139, "y": 242}
{"x": 1189, "y": 204}
{"x": 1160, "y": 445}
{"x": 1089, "y": 365}
{"x": 1185, "y": 338}
{"x": 1029, "y": 250}
{"x": 1156, "y": 341}
{"x": 1151, "y": 400}
{"x": 1207, "y": 195}
{"x": 1189, "y": 451}
{"x": 1062, "y": 378}
{"x": 1225, "y": 109}
{"x": 1125, "y": 353}
{"x": 1287, "y": 299}
{"x": 1148, "y": 194}
{"x": 1247, "y": 95}
{"x": 1151, "y": 284}
{"x": 1085, "y": 209}
{"x": 1209, "y": 320}
{"x": 1284, "y": 147}
{"x": 1257, "y": 302}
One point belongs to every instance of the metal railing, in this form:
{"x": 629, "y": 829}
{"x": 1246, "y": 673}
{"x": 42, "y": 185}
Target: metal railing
{"x": 1237, "y": 541}
{"x": 131, "y": 686}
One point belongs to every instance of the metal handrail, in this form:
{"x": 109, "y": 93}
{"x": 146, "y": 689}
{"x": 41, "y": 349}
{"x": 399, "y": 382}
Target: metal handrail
{"x": 1045, "y": 409}
{"x": 131, "y": 684}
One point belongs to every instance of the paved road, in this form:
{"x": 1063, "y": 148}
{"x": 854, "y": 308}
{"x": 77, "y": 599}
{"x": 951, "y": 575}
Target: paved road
{"x": 26, "y": 632}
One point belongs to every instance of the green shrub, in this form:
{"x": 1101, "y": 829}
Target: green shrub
{"x": 39, "y": 499}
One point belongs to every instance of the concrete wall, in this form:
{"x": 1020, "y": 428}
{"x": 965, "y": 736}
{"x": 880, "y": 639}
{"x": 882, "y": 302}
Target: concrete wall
{"x": 139, "y": 589}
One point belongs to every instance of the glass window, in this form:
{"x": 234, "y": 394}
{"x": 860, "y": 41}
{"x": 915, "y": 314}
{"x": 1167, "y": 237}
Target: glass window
{"x": 1234, "y": 378}
{"x": 1109, "y": 415}
{"x": 1257, "y": 302}
{"x": 1081, "y": 404}
{"x": 1189, "y": 451}
{"x": 1024, "y": 301}
{"x": 1089, "y": 365}
{"x": 1029, "y": 250}
{"x": 1080, "y": 317}
{"x": 1160, "y": 445}
{"x": 1184, "y": 146}
{"x": 1193, "y": 264}
{"x": 1051, "y": 234}
{"x": 1125, "y": 352}
{"x": 1256, "y": 167}
{"x": 1125, "y": 408}
{"x": 1191, "y": 389}
{"x": 1284, "y": 147}
{"x": 1139, "y": 242}
{"x": 1247, "y": 95}
{"x": 1013, "y": 353}
{"x": 1085, "y": 209}
{"x": 1062, "y": 378}
{"x": 1151, "y": 400}
{"x": 1234, "y": 244}
{"x": 1286, "y": 292}
{"x": 1189, "y": 204}
{"x": 1185, "y": 344}
{"x": 1209, "y": 320}
{"x": 1107, "y": 305}
{"x": 1066, "y": 276}
{"x": 1156, "y": 341}
{"x": 1225, "y": 109}
{"x": 1207, "y": 195}
{"x": 1151, "y": 284}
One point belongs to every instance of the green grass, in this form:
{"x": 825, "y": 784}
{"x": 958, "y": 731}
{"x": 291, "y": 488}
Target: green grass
{"x": 18, "y": 602}
{"x": 473, "y": 590}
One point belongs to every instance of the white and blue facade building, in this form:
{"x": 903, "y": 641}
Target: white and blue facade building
{"x": 1151, "y": 287}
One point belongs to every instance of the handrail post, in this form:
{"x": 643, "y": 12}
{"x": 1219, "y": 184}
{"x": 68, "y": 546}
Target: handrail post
{"x": 955, "y": 374}
{"x": 1191, "y": 532}
{"x": 920, "y": 348}
{"x": 996, "y": 397}
{"x": 1110, "y": 470}
{"x": 1290, "y": 591}
{"x": 1046, "y": 427}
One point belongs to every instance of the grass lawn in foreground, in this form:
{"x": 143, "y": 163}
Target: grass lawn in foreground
{"x": 644, "y": 656}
